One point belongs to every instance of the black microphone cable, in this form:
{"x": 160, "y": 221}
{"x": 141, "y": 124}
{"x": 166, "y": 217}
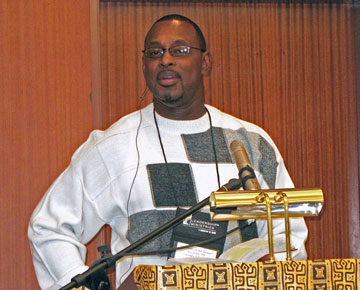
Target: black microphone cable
{"x": 137, "y": 166}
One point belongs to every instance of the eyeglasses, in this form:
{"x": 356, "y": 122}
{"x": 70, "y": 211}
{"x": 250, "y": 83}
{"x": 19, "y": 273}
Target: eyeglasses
{"x": 176, "y": 51}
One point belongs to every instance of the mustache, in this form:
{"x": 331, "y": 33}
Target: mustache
{"x": 167, "y": 73}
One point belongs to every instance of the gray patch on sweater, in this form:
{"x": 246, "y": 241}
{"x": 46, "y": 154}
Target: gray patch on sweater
{"x": 145, "y": 222}
{"x": 268, "y": 163}
{"x": 199, "y": 147}
{"x": 172, "y": 184}
{"x": 248, "y": 230}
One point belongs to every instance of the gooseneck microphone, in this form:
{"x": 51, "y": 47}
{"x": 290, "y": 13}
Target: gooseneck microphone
{"x": 246, "y": 171}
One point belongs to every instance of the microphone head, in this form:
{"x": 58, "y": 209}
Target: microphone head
{"x": 236, "y": 145}
{"x": 240, "y": 155}
{"x": 246, "y": 172}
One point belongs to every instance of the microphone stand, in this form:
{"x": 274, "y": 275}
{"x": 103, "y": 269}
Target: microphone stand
{"x": 96, "y": 278}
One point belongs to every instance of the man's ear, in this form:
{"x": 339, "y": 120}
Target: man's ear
{"x": 206, "y": 63}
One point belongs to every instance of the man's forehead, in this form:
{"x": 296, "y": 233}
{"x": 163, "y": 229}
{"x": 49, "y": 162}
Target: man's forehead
{"x": 176, "y": 31}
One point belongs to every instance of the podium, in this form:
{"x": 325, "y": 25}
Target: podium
{"x": 285, "y": 275}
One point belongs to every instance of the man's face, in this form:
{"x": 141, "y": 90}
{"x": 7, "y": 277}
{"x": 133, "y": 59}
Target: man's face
{"x": 176, "y": 82}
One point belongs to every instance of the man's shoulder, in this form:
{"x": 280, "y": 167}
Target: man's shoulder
{"x": 228, "y": 121}
{"x": 115, "y": 138}
{"x": 127, "y": 124}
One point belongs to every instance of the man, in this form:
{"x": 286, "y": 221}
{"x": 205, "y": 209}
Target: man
{"x": 134, "y": 175}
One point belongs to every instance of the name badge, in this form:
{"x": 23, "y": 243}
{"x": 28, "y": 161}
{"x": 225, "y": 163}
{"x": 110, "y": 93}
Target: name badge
{"x": 196, "y": 228}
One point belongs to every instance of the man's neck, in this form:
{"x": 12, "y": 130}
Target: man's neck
{"x": 192, "y": 112}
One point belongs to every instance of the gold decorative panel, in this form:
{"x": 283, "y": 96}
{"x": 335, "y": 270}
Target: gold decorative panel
{"x": 288, "y": 275}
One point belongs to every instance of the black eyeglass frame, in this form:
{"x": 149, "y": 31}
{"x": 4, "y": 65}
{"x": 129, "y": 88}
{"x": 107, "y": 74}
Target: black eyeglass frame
{"x": 170, "y": 49}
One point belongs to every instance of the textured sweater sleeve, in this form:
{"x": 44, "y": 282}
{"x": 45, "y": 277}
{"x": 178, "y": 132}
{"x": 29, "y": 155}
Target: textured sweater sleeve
{"x": 64, "y": 220}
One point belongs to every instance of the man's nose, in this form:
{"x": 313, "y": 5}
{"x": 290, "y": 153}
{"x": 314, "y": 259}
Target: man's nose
{"x": 167, "y": 59}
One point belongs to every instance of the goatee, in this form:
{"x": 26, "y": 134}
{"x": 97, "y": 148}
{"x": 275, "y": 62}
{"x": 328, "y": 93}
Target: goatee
{"x": 170, "y": 100}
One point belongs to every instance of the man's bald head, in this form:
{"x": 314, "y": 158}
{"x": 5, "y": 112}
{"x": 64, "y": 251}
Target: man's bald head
{"x": 200, "y": 35}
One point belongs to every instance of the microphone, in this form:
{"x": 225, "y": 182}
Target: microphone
{"x": 144, "y": 93}
{"x": 246, "y": 171}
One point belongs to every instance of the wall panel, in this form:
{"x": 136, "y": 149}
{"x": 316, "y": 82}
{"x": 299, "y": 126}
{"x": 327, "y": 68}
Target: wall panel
{"x": 45, "y": 114}
{"x": 287, "y": 68}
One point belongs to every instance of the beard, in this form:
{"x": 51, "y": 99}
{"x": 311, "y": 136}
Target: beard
{"x": 170, "y": 99}
{"x": 168, "y": 95}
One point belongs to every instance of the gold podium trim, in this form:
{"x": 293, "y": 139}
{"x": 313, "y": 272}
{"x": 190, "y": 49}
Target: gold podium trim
{"x": 285, "y": 275}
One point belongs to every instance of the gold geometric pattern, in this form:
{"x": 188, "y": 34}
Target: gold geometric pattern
{"x": 334, "y": 274}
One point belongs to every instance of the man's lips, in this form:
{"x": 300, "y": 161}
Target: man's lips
{"x": 168, "y": 78}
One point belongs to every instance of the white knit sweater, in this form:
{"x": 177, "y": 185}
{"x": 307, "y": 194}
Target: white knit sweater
{"x": 106, "y": 183}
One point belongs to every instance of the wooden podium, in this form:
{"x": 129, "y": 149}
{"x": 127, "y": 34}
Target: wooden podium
{"x": 287, "y": 275}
